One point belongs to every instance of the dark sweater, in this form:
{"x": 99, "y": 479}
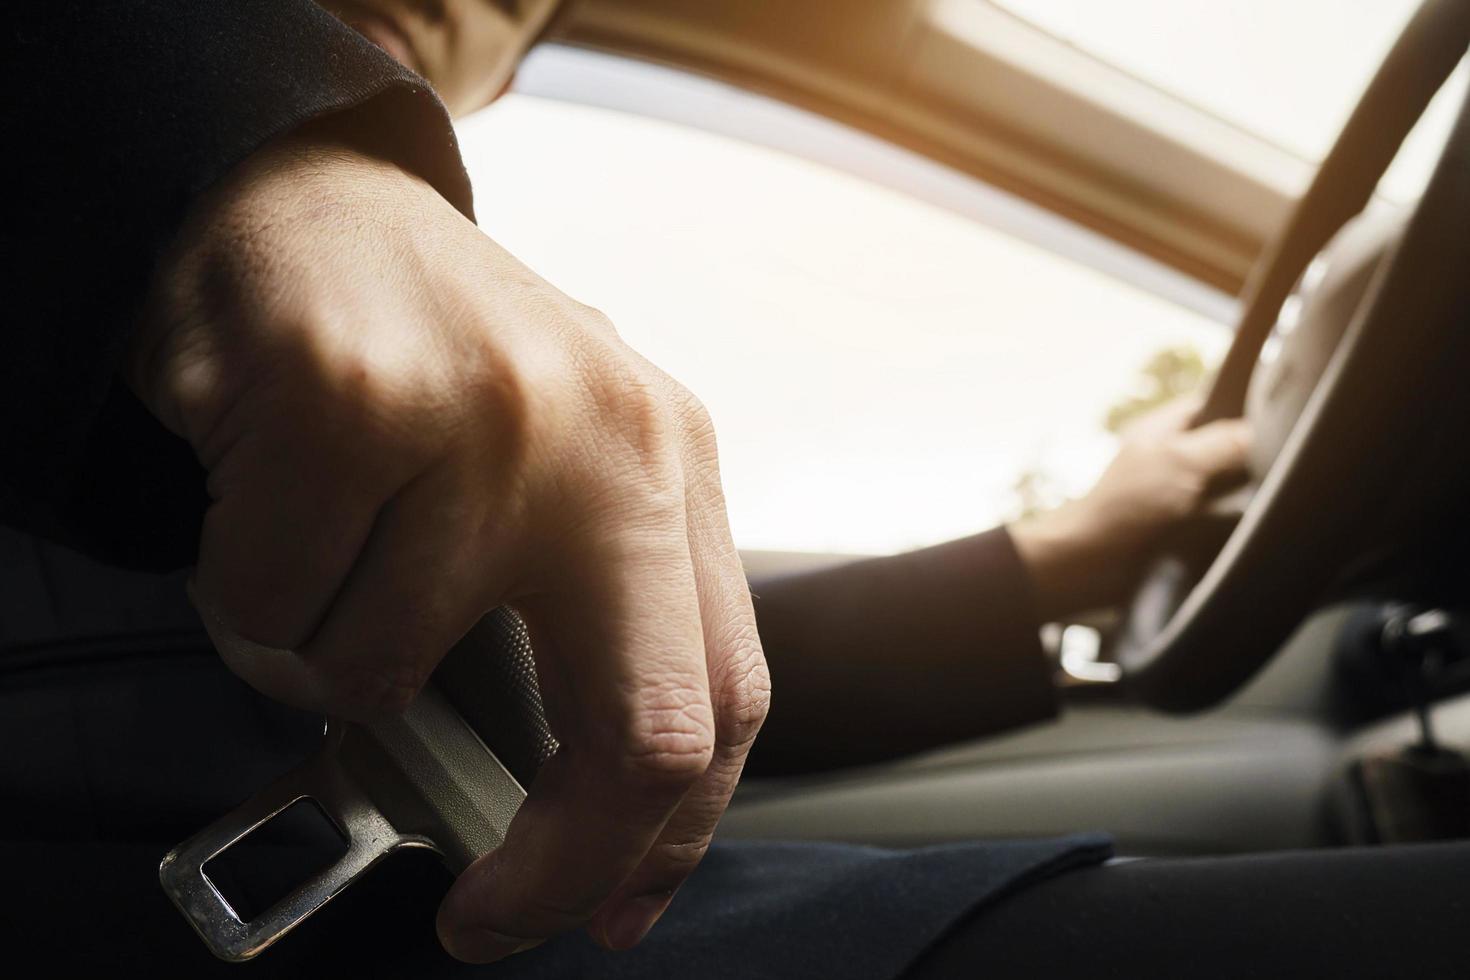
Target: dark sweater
{"x": 119, "y": 114}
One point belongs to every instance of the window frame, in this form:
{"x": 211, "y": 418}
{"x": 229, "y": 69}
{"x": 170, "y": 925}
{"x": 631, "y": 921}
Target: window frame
{"x": 584, "y": 76}
{"x": 971, "y": 86}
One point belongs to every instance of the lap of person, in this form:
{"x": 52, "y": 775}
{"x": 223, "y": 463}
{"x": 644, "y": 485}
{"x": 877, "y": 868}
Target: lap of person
{"x": 1362, "y": 912}
{"x": 126, "y": 735}
{"x": 122, "y": 737}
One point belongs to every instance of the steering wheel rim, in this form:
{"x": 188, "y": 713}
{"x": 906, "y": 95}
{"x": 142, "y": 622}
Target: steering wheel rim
{"x": 1191, "y": 638}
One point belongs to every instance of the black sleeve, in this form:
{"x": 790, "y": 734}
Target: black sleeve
{"x": 119, "y": 115}
{"x": 889, "y": 656}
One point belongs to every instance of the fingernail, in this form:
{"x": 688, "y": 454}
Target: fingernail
{"x": 627, "y": 924}
{"x": 484, "y": 946}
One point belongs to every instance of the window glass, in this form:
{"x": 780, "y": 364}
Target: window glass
{"x": 882, "y": 373}
{"x": 1289, "y": 71}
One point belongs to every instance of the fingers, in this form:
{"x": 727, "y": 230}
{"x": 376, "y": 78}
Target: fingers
{"x": 278, "y": 539}
{"x": 622, "y": 670}
{"x": 568, "y": 499}
{"x": 1216, "y": 448}
{"x": 739, "y": 695}
{"x": 425, "y": 576}
{"x": 1170, "y": 417}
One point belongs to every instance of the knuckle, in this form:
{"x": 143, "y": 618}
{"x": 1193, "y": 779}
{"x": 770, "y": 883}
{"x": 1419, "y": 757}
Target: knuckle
{"x": 679, "y": 858}
{"x": 670, "y": 747}
{"x": 626, "y": 405}
{"x": 489, "y": 404}
{"x": 350, "y": 381}
{"x": 687, "y": 407}
{"x": 193, "y": 384}
{"x": 494, "y": 387}
{"x": 689, "y": 415}
{"x": 743, "y": 691}
{"x": 595, "y": 319}
{"x": 697, "y": 424}
{"x": 358, "y": 399}
{"x": 637, "y": 415}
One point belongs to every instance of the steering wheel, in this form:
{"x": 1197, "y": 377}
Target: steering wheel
{"x": 1205, "y": 618}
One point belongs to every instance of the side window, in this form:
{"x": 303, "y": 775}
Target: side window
{"x": 883, "y": 372}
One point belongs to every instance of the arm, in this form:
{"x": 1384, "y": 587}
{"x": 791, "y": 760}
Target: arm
{"x": 372, "y": 426}
{"x": 889, "y": 656}
{"x": 128, "y": 113}
{"x": 1087, "y": 553}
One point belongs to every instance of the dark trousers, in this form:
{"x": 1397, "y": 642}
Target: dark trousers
{"x": 114, "y": 748}
{"x": 1399, "y": 911}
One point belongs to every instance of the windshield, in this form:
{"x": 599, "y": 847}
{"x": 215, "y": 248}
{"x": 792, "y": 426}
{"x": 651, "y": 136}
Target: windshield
{"x": 1289, "y": 72}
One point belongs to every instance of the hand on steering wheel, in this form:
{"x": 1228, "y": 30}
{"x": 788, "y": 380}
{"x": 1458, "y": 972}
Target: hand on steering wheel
{"x": 1089, "y": 552}
{"x": 1197, "y": 630}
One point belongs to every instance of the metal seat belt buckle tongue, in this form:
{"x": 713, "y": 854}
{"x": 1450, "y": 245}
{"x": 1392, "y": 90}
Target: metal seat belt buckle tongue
{"x": 427, "y": 778}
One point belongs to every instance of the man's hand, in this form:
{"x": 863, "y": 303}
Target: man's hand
{"x": 1084, "y": 554}
{"x": 404, "y": 428}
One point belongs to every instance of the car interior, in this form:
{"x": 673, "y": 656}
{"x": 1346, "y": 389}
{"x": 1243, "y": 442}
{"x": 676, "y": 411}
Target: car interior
{"x": 1293, "y": 671}
{"x": 1253, "y": 684}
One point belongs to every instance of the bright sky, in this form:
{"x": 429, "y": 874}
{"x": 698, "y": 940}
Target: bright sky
{"x": 1288, "y": 70}
{"x": 880, "y": 369}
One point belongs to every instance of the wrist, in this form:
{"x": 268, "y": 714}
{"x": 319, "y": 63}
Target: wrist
{"x": 328, "y": 152}
{"x": 1068, "y": 559}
